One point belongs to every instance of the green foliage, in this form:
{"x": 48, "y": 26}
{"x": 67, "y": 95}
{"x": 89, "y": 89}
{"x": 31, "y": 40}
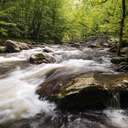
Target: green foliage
{"x": 32, "y": 19}
{"x": 40, "y": 55}
{"x": 57, "y": 20}
{"x": 96, "y": 18}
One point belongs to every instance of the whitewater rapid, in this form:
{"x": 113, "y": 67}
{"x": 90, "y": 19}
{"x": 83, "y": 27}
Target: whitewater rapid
{"x": 18, "y": 99}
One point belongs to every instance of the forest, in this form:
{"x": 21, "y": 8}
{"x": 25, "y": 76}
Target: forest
{"x": 63, "y": 63}
{"x": 58, "y": 20}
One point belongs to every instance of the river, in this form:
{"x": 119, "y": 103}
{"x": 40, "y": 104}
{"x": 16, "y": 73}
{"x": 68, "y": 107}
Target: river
{"x": 20, "y": 106}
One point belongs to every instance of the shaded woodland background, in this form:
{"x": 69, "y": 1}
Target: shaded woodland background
{"x": 57, "y": 20}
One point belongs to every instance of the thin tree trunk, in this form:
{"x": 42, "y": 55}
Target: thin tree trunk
{"x": 121, "y": 27}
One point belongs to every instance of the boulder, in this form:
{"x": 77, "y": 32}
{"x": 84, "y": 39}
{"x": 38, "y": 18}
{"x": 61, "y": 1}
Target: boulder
{"x": 13, "y": 46}
{"x": 125, "y": 43}
{"x": 92, "y": 97}
{"x": 124, "y": 50}
{"x": 124, "y": 94}
{"x": 118, "y": 60}
{"x": 75, "y": 44}
{"x": 3, "y": 49}
{"x": 24, "y": 46}
{"x": 122, "y": 64}
{"x": 47, "y": 50}
{"x": 95, "y": 96}
{"x": 113, "y": 49}
{"x": 79, "y": 93}
{"x": 41, "y": 58}
{"x": 122, "y": 68}
{"x": 99, "y": 42}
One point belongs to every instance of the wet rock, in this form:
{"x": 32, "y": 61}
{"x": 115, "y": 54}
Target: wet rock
{"x": 118, "y": 60}
{"x": 124, "y": 43}
{"x": 93, "y": 92}
{"x": 54, "y": 82}
{"x": 122, "y": 68}
{"x": 13, "y": 46}
{"x": 76, "y": 44}
{"x": 93, "y": 45}
{"x": 124, "y": 50}
{"x": 41, "y": 58}
{"x": 113, "y": 49}
{"x": 3, "y": 49}
{"x": 122, "y": 90}
{"x": 122, "y": 64}
{"x": 47, "y": 50}
{"x": 99, "y": 42}
{"x": 92, "y": 97}
{"x": 79, "y": 93}
{"x": 24, "y": 46}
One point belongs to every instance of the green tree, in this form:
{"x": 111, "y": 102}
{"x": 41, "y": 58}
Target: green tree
{"x": 122, "y": 26}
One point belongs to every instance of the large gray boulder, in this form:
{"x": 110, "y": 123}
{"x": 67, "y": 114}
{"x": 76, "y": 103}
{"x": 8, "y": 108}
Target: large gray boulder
{"x": 13, "y": 46}
{"x": 124, "y": 50}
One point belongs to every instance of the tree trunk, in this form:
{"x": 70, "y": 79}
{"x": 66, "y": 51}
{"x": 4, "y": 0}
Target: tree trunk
{"x": 121, "y": 27}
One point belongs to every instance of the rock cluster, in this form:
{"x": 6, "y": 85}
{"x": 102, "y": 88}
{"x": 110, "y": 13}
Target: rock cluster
{"x": 12, "y": 46}
{"x": 121, "y": 64}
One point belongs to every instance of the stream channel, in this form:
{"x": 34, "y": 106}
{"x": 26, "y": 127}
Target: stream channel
{"x": 20, "y": 106}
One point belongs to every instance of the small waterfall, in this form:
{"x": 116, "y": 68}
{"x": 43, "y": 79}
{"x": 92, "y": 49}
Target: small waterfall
{"x": 115, "y": 101}
{"x": 115, "y": 116}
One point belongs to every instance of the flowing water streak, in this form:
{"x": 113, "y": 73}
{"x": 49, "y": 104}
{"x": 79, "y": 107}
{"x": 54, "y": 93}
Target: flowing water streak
{"x": 17, "y": 96}
{"x": 117, "y": 118}
{"x": 21, "y": 56}
{"x": 18, "y": 99}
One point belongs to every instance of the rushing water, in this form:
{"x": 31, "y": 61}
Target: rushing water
{"x": 19, "y": 81}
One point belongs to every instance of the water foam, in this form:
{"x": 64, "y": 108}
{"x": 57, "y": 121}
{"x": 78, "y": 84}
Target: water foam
{"x": 18, "y": 99}
{"x": 117, "y": 118}
{"x": 21, "y": 56}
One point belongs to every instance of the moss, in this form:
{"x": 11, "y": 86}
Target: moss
{"x": 40, "y": 55}
{"x": 70, "y": 83}
{"x": 65, "y": 90}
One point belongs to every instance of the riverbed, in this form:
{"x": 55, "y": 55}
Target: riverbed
{"x": 20, "y": 106}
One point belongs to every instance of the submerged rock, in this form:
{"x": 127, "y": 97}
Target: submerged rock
{"x": 41, "y": 58}
{"x": 118, "y": 60}
{"x": 13, "y": 46}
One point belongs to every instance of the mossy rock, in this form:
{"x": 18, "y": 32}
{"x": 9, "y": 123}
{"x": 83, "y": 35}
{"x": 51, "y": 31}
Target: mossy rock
{"x": 41, "y": 58}
{"x": 40, "y": 55}
{"x": 93, "y": 97}
{"x": 84, "y": 92}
